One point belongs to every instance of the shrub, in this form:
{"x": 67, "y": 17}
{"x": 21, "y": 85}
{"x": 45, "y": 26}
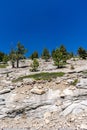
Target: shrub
{"x": 74, "y": 82}
{"x": 72, "y": 67}
{"x": 5, "y": 58}
{"x": 34, "y": 65}
{"x": 59, "y": 58}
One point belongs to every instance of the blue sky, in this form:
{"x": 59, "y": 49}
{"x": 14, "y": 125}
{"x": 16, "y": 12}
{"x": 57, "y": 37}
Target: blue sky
{"x": 43, "y": 23}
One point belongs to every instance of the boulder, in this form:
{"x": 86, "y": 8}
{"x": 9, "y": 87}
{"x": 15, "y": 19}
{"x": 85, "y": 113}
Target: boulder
{"x": 47, "y": 116}
{"x": 4, "y": 91}
{"x": 37, "y": 91}
{"x": 72, "y": 93}
{"x": 28, "y": 81}
{"x": 70, "y": 81}
{"x": 82, "y": 84}
{"x": 11, "y": 87}
{"x": 19, "y": 84}
{"x": 62, "y": 95}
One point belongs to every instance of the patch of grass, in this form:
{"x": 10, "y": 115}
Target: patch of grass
{"x": 3, "y": 65}
{"x": 84, "y": 72}
{"x": 74, "y": 82}
{"x": 42, "y": 76}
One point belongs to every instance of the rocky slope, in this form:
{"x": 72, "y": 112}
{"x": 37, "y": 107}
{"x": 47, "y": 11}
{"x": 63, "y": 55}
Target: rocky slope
{"x": 60, "y": 103}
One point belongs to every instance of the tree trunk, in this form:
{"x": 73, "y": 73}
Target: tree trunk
{"x": 58, "y": 65}
{"x": 17, "y": 63}
{"x": 13, "y": 66}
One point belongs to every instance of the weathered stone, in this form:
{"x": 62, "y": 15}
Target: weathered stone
{"x": 83, "y": 126}
{"x": 62, "y": 95}
{"x": 70, "y": 81}
{"x": 4, "y": 91}
{"x": 79, "y": 93}
{"x": 82, "y": 84}
{"x": 68, "y": 110}
{"x": 47, "y": 115}
{"x": 67, "y": 92}
{"x": 37, "y": 91}
{"x": 28, "y": 81}
{"x": 41, "y": 109}
{"x": 19, "y": 84}
{"x": 11, "y": 87}
{"x": 58, "y": 81}
{"x": 59, "y": 103}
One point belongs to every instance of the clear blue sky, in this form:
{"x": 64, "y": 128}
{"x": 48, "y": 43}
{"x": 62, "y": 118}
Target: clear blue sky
{"x": 43, "y": 23}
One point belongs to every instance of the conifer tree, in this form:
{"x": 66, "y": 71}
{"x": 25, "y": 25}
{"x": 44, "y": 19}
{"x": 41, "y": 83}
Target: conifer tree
{"x": 45, "y": 54}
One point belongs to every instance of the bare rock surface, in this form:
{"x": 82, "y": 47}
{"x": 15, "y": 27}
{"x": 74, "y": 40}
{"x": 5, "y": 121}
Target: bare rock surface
{"x": 58, "y": 104}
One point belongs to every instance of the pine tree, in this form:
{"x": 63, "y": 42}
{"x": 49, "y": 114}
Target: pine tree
{"x": 20, "y": 51}
{"x": 45, "y": 54}
{"x": 59, "y": 58}
{"x": 82, "y": 53}
{"x": 34, "y": 55}
{"x": 35, "y": 65}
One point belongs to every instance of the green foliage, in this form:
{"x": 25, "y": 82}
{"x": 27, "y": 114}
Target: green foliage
{"x": 34, "y": 55}
{"x": 58, "y": 58}
{"x": 35, "y": 65}
{"x": 42, "y": 76}
{"x": 74, "y": 82}
{"x": 64, "y": 53}
{"x": 5, "y": 58}
{"x": 82, "y": 53}
{"x": 70, "y": 55}
{"x": 53, "y": 53}
{"x": 12, "y": 57}
{"x": 45, "y": 54}
{"x": 17, "y": 54}
{"x": 20, "y": 51}
{"x": 63, "y": 50}
{"x": 1, "y": 56}
{"x": 3, "y": 65}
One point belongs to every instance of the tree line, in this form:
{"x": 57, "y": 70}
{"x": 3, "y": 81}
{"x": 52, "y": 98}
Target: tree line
{"x": 60, "y": 55}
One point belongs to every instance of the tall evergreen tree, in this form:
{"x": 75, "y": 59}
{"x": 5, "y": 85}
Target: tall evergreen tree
{"x": 17, "y": 54}
{"x": 20, "y": 52}
{"x": 64, "y": 52}
{"x": 82, "y": 53}
{"x": 12, "y": 57}
{"x": 59, "y": 58}
{"x": 52, "y": 53}
{"x": 45, "y": 54}
{"x": 34, "y": 55}
{"x": 1, "y": 56}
